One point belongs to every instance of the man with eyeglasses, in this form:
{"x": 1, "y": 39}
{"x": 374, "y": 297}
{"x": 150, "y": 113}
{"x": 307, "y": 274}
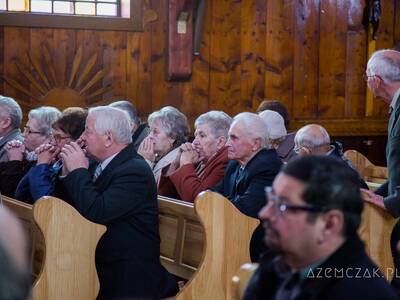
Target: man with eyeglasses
{"x": 10, "y": 121}
{"x": 313, "y": 139}
{"x": 311, "y": 216}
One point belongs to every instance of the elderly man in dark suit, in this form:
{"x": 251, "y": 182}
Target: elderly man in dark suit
{"x": 252, "y": 164}
{"x": 383, "y": 78}
{"x": 10, "y": 121}
{"x": 120, "y": 192}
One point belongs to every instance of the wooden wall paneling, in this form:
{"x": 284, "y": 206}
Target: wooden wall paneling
{"x": 132, "y": 67}
{"x": 196, "y": 94}
{"x": 396, "y": 27}
{"x": 114, "y": 47}
{"x": 144, "y": 99}
{"x": 1, "y": 59}
{"x": 90, "y": 43}
{"x": 384, "y": 40}
{"x": 163, "y": 92}
{"x": 305, "y": 64}
{"x": 17, "y": 44}
{"x": 279, "y": 52}
{"x": 65, "y": 49}
{"x": 356, "y": 57}
{"x": 253, "y": 30}
{"x": 332, "y": 59}
{"x": 225, "y": 57}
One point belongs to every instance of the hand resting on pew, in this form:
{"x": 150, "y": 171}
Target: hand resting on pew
{"x": 372, "y": 198}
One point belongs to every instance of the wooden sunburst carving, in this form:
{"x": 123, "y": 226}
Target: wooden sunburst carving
{"x": 77, "y": 89}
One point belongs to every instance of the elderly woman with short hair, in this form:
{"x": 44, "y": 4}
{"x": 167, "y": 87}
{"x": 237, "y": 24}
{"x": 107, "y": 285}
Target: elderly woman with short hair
{"x": 201, "y": 164}
{"x": 168, "y": 130}
{"x": 40, "y": 180}
{"x": 22, "y": 155}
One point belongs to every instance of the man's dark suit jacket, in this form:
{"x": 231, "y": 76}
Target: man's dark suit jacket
{"x": 124, "y": 198}
{"x": 393, "y": 161}
{"x": 246, "y": 191}
{"x": 347, "y": 274}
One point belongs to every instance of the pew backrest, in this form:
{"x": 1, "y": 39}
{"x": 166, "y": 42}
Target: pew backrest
{"x": 368, "y": 171}
{"x": 223, "y": 237}
{"x": 68, "y": 269}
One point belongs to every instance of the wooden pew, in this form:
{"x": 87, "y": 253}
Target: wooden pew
{"x": 373, "y": 175}
{"x": 63, "y": 247}
{"x": 206, "y": 243}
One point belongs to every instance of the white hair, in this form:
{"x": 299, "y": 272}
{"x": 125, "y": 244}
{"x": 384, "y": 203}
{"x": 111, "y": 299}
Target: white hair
{"x": 174, "y": 123}
{"x": 10, "y": 107}
{"x": 112, "y": 119}
{"x": 308, "y": 137}
{"x": 386, "y": 64}
{"x": 218, "y": 121}
{"x": 45, "y": 116}
{"x": 254, "y": 127}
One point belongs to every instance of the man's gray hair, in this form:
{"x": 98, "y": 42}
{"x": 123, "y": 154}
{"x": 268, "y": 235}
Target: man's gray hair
{"x": 254, "y": 127}
{"x": 386, "y": 64}
{"x": 308, "y": 137}
{"x": 10, "y": 107}
{"x": 174, "y": 123}
{"x": 45, "y": 116}
{"x": 218, "y": 121}
{"x": 112, "y": 119}
{"x": 129, "y": 108}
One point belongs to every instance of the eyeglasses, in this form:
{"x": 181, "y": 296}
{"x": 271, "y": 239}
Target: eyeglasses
{"x": 58, "y": 138}
{"x": 27, "y": 130}
{"x": 297, "y": 149}
{"x": 280, "y": 208}
{"x": 367, "y": 77}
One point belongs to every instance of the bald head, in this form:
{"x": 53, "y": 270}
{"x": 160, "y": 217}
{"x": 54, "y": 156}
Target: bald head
{"x": 312, "y": 139}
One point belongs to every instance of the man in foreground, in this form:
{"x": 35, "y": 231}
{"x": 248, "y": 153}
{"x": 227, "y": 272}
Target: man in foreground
{"x": 311, "y": 218}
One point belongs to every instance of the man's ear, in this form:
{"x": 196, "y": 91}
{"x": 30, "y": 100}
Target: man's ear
{"x": 333, "y": 224}
{"x": 109, "y": 139}
{"x": 221, "y": 141}
{"x": 256, "y": 144}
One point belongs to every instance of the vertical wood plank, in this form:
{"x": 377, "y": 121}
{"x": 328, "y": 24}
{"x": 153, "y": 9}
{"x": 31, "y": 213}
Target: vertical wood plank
{"x": 17, "y": 43}
{"x": 90, "y": 41}
{"x": 64, "y": 45}
{"x": 385, "y": 40}
{"x": 356, "y": 57}
{"x": 144, "y": 93}
{"x": 196, "y": 94}
{"x": 132, "y": 66}
{"x": 332, "y": 59}
{"x": 1, "y": 60}
{"x": 306, "y": 57}
{"x": 397, "y": 25}
{"x": 114, "y": 44}
{"x": 163, "y": 92}
{"x": 279, "y": 52}
{"x": 253, "y": 23}
{"x": 225, "y": 57}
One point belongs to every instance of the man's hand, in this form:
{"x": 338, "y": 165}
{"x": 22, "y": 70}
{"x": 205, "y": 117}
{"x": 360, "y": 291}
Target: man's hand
{"x": 371, "y": 197}
{"x": 146, "y": 149}
{"x": 15, "y": 150}
{"x": 46, "y": 153}
{"x": 189, "y": 154}
{"x": 73, "y": 158}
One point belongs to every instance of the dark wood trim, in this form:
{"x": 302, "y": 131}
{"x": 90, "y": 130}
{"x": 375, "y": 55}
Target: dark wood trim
{"x": 347, "y": 127}
{"x": 134, "y": 23}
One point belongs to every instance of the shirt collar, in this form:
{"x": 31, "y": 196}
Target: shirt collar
{"x": 105, "y": 162}
{"x": 395, "y": 99}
